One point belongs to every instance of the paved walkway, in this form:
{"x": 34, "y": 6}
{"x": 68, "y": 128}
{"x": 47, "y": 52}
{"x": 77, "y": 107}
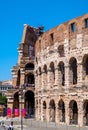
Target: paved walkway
{"x": 31, "y": 124}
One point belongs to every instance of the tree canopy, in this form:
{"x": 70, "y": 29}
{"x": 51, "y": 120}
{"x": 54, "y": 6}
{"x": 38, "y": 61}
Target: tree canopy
{"x": 3, "y": 100}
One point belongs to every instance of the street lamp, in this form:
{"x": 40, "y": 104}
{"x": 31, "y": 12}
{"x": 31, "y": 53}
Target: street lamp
{"x": 21, "y": 93}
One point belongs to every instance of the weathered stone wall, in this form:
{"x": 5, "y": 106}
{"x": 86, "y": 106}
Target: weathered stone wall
{"x": 48, "y": 49}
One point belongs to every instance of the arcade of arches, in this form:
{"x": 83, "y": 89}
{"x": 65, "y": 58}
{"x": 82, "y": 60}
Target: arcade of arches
{"x": 27, "y": 101}
{"x": 57, "y": 79}
{"x": 51, "y": 82}
{"x": 23, "y": 79}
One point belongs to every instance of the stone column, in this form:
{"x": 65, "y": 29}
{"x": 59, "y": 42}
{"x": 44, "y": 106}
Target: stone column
{"x": 79, "y": 75}
{"x": 70, "y": 75}
{"x": 39, "y": 80}
{"x": 39, "y": 109}
{"x": 14, "y": 78}
{"x": 36, "y": 108}
{"x": 57, "y": 114}
{"x": 43, "y": 79}
{"x": 36, "y": 81}
{"x": 10, "y": 101}
{"x": 80, "y": 113}
{"x": 22, "y": 78}
{"x": 56, "y": 78}
{"x": 48, "y": 78}
{"x": 67, "y": 113}
{"x": 67, "y": 77}
{"x": 21, "y": 103}
{"x": 48, "y": 112}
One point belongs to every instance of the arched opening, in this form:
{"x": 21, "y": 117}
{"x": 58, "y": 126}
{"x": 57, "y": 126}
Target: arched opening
{"x": 18, "y": 78}
{"x": 61, "y": 50}
{"x": 44, "y": 111}
{"x": 40, "y": 71}
{"x": 52, "y": 111}
{"x": 73, "y": 112}
{"x": 45, "y": 69}
{"x": 85, "y": 116}
{"x": 61, "y": 107}
{"x": 29, "y": 103}
{"x": 29, "y": 79}
{"x": 85, "y": 66}
{"x": 15, "y": 110}
{"x": 61, "y": 71}
{"x": 52, "y": 75}
{"x": 73, "y": 70}
{"x": 39, "y": 77}
{"x": 45, "y": 77}
{"x": 29, "y": 66}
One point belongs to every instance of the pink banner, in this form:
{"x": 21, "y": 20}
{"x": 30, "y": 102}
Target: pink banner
{"x": 23, "y": 112}
{"x": 16, "y": 113}
{"x": 9, "y": 112}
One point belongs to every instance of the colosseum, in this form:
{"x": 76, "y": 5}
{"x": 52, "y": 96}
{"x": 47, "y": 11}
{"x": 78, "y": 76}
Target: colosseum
{"x": 53, "y": 68}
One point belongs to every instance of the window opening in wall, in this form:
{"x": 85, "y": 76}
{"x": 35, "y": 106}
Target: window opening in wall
{"x": 73, "y": 27}
{"x": 73, "y": 70}
{"x": 53, "y": 70}
{"x": 18, "y": 78}
{"x": 61, "y": 50}
{"x": 29, "y": 79}
{"x": 31, "y": 51}
{"x": 29, "y": 66}
{"x": 40, "y": 44}
{"x": 86, "y": 23}
{"x": 51, "y": 38}
{"x": 62, "y": 73}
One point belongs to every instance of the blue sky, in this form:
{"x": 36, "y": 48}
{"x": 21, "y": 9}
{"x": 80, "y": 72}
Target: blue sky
{"x": 15, "y": 13}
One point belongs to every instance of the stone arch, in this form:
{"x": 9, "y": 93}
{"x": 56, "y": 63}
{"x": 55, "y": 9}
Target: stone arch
{"x": 18, "y": 78}
{"x": 45, "y": 68}
{"x": 85, "y": 66}
{"x": 44, "y": 110}
{"x": 39, "y": 70}
{"x": 52, "y": 111}
{"x": 61, "y": 50}
{"x": 52, "y": 75}
{"x": 73, "y": 70}
{"x": 29, "y": 66}
{"x": 61, "y": 71}
{"x": 85, "y": 109}
{"x": 29, "y": 103}
{"x": 73, "y": 112}
{"x": 15, "y": 103}
{"x": 61, "y": 109}
{"x": 29, "y": 79}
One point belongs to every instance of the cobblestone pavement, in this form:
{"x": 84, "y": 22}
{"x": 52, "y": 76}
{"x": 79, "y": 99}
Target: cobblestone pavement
{"x": 30, "y": 124}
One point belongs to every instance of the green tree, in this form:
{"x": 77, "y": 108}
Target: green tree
{"x": 3, "y": 99}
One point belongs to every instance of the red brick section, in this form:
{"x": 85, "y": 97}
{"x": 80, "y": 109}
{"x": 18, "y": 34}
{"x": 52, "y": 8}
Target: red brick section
{"x": 60, "y": 33}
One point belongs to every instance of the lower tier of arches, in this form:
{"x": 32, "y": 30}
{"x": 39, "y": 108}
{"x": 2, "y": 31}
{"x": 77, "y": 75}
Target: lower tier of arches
{"x": 70, "y": 110}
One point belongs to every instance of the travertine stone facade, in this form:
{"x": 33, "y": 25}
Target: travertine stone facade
{"x": 53, "y": 68}
{"x": 23, "y": 90}
{"x": 61, "y": 73}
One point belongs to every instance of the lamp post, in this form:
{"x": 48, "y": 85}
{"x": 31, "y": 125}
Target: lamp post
{"x": 21, "y": 92}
